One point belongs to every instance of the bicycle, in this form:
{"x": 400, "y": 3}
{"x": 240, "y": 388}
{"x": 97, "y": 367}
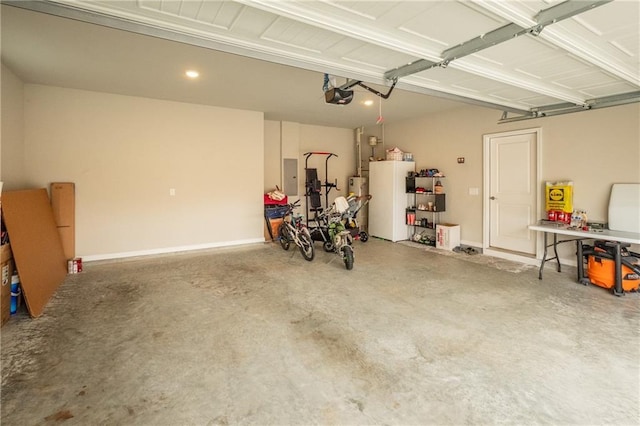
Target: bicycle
{"x": 293, "y": 230}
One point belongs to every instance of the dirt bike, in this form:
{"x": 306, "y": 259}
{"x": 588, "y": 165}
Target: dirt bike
{"x": 331, "y": 230}
{"x": 341, "y": 241}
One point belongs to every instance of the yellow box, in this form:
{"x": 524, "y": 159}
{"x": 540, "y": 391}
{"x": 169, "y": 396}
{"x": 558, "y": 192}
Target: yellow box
{"x": 559, "y": 197}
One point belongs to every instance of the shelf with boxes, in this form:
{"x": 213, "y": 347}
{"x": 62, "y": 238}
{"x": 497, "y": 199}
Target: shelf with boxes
{"x": 427, "y": 202}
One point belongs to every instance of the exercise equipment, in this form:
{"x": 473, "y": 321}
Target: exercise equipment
{"x": 314, "y": 188}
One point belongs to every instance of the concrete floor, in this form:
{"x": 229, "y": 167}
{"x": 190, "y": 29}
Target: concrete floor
{"x": 256, "y": 335}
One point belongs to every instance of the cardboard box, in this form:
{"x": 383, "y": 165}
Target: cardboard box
{"x": 68, "y": 239}
{"x": 40, "y": 261}
{"x": 5, "y": 253}
{"x": 63, "y": 204}
{"x": 275, "y": 225}
{"x": 6, "y": 269}
{"x": 447, "y": 236}
{"x": 273, "y": 215}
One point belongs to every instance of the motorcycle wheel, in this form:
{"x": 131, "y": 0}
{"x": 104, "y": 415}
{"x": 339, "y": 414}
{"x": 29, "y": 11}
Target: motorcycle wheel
{"x": 347, "y": 256}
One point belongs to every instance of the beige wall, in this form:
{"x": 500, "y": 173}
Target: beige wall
{"x": 290, "y": 149}
{"x": 272, "y": 156}
{"x": 12, "y": 166}
{"x": 593, "y": 149}
{"x": 125, "y": 153}
{"x": 367, "y": 151}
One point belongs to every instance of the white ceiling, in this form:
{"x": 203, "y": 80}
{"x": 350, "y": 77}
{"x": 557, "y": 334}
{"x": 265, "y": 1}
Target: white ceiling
{"x": 576, "y": 61}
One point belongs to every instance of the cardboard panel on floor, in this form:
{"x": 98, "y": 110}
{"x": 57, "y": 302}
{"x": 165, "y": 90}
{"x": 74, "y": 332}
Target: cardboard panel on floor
{"x": 35, "y": 242}
{"x": 64, "y": 212}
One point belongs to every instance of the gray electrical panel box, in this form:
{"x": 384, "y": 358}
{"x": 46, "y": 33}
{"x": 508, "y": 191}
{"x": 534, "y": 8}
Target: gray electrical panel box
{"x": 290, "y": 176}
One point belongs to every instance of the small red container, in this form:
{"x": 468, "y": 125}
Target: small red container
{"x": 552, "y": 215}
{"x": 74, "y": 265}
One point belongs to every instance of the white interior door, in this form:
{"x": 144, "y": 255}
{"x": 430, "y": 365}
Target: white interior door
{"x": 512, "y": 190}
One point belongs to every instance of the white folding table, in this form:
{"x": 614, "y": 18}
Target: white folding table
{"x": 616, "y": 238}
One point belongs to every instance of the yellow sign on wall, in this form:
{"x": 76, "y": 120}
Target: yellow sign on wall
{"x": 559, "y": 196}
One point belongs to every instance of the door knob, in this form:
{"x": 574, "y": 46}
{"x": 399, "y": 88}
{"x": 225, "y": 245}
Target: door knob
{"x": 492, "y": 198}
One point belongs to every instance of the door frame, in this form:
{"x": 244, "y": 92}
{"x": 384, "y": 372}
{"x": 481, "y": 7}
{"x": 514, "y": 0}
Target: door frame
{"x": 486, "y": 188}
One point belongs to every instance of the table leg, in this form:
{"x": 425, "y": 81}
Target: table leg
{"x": 617, "y": 289}
{"x": 580, "y": 254}
{"x": 579, "y": 262}
{"x": 555, "y": 250}
{"x": 544, "y": 257}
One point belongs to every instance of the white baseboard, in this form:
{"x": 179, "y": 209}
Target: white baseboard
{"x": 165, "y": 250}
{"x": 529, "y": 260}
{"x": 511, "y": 256}
{"x": 474, "y": 244}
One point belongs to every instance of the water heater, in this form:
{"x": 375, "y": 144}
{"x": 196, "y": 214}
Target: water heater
{"x": 360, "y": 186}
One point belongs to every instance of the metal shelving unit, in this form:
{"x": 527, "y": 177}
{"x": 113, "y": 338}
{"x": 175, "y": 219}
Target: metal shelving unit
{"x": 425, "y": 207}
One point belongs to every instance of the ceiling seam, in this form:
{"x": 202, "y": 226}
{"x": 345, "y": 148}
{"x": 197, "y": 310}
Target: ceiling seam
{"x": 555, "y": 37}
{"x": 288, "y": 9}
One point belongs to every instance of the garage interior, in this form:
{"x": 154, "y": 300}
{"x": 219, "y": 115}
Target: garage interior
{"x": 186, "y": 311}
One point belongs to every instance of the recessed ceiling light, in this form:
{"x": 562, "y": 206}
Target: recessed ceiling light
{"x": 192, "y": 74}
{"x": 368, "y": 102}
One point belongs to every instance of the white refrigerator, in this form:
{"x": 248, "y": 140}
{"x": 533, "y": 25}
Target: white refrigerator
{"x": 389, "y": 200}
